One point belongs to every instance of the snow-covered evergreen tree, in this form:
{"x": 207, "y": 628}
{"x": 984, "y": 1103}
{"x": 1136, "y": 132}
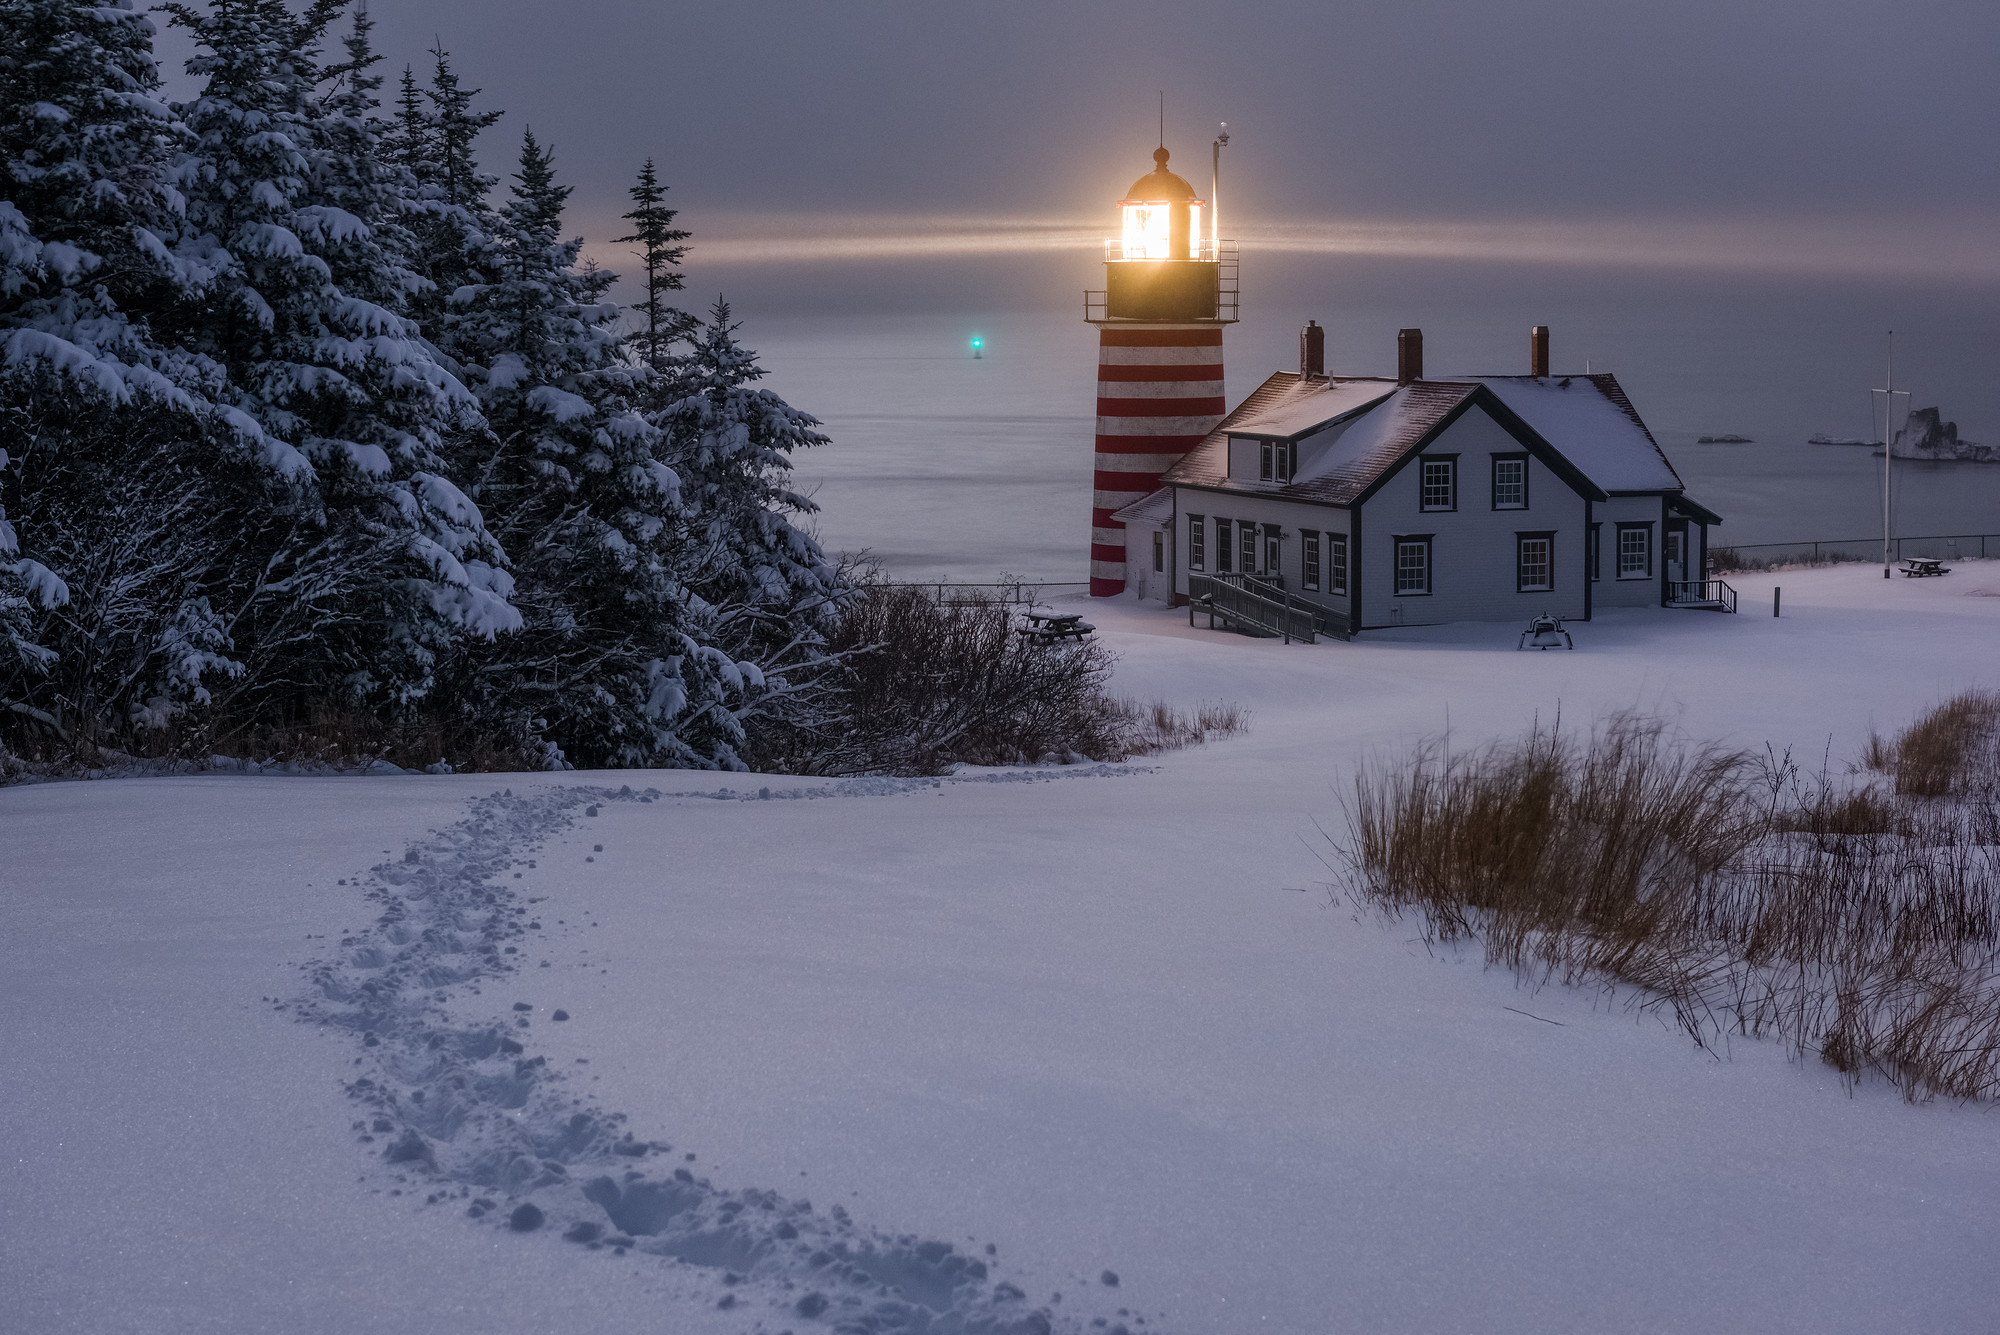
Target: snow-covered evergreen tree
{"x": 611, "y": 667}
{"x": 764, "y": 579}
{"x": 662, "y": 246}
{"x": 88, "y": 215}
{"x": 378, "y": 563}
{"x": 117, "y": 466}
{"x": 432, "y": 139}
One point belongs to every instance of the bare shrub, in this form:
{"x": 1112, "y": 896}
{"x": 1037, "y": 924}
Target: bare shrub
{"x": 1730, "y": 561}
{"x": 1152, "y": 726}
{"x": 1860, "y": 926}
{"x": 1949, "y": 750}
{"x": 920, "y": 684}
{"x": 924, "y": 684}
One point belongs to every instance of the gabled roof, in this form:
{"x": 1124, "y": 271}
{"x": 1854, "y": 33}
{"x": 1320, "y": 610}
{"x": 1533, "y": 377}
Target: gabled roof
{"x": 1585, "y": 421}
{"x": 1589, "y": 419}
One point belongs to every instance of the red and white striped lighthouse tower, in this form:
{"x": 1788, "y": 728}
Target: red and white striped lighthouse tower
{"x": 1169, "y": 288}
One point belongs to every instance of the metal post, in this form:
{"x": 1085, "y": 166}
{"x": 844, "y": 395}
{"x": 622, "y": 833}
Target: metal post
{"x": 1775, "y": 591}
{"x": 1888, "y": 393}
{"x": 1215, "y": 192}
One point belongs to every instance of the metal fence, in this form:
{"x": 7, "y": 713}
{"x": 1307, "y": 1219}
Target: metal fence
{"x": 1946, "y": 546}
{"x": 1012, "y": 593}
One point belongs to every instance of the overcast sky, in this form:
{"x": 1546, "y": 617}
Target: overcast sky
{"x": 1839, "y": 132}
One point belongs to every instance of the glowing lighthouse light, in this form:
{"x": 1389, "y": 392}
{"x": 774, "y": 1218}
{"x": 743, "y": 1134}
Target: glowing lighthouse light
{"x": 977, "y": 344}
{"x": 1149, "y": 231}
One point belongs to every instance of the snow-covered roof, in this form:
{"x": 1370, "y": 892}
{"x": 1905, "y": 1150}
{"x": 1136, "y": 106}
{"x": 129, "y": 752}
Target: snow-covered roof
{"x": 1585, "y": 419}
{"x": 1593, "y": 425}
{"x": 1307, "y": 403}
{"x": 1156, "y": 508}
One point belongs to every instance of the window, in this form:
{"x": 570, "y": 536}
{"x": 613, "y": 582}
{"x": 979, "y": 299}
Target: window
{"x": 1197, "y": 543}
{"x": 1596, "y": 552}
{"x": 1440, "y": 484}
{"x": 1277, "y": 460}
{"x": 1510, "y": 482}
{"x": 1308, "y": 559}
{"x": 1273, "y": 557}
{"x": 1159, "y": 551}
{"x": 1675, "y": 545}
{"x": 1413, "y": 565}
{"x": 1336, "y": 563}
{"x": 1534, "y": 564}
{"x": 1246, "y": 546}
{"x": 1223, "y": 565}
{"x": 1635, "y": 551}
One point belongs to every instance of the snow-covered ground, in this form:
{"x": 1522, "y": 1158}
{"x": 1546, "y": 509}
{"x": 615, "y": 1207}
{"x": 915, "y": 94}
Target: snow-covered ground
{"x": 1105, "y": 1020}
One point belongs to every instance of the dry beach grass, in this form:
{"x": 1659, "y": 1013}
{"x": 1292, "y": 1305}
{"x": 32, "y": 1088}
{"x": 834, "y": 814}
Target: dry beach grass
{"x": 1857, "y": 923}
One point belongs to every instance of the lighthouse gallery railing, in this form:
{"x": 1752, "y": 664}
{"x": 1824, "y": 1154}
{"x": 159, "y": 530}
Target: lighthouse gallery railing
{"x": 1220, "y": 253}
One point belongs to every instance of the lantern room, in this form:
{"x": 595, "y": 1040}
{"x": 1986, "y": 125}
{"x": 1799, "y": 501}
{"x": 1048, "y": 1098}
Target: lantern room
{"x": 1163, "y": 265}
{"x": 1161, "y": 218}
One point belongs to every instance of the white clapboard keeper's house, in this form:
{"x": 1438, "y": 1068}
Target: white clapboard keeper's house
{"x": 1407, "y": 502}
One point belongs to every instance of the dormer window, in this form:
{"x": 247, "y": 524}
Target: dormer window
{"x": 1277, "y": 460}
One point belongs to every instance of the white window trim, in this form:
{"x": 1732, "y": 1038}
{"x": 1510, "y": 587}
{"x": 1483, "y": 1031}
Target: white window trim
{"x": 1618, "y": 553}
{"x": 1498, "y": 460}
{"x": 1427, "y": 542}
{"x": 1521, "y": 540}
{"x": 1424, "y": 465}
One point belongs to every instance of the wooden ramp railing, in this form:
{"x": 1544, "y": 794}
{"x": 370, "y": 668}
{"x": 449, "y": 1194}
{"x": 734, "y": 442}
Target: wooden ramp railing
{"x": 1261, "y": 607}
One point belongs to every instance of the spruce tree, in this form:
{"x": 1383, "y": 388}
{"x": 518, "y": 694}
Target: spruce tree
{"x": 432, "y": 139}
{"x": 612, "y": 667}
{"x": 662, "y": 248}
{"x": 118, "y": 470}
{"x": 455, "y": 129}
{"x": 769, "y": 585}
{"x": 379, "y": 561}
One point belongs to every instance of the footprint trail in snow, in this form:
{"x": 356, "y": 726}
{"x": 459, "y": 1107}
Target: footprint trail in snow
{"x": 466, "y": 1112}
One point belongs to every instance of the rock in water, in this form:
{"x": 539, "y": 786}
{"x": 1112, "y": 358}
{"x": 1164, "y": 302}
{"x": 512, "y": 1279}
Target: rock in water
{"x": 525, "y": 1219}
{"x": 1926, "y": 436}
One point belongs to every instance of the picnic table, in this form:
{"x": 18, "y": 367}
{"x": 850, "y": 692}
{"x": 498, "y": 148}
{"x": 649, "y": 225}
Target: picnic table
{"x": 1919, "y": 566}
{"x": 1051, "y": 627}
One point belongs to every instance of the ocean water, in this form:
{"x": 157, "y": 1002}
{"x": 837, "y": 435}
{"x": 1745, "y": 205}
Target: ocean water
{"x": 944, "y": 466}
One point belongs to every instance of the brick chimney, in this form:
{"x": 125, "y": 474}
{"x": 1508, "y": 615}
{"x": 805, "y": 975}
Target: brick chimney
{"x": 1538, "y": 351}
{"x": 1409, "y": 355}
{"x": 1312, "y": 349}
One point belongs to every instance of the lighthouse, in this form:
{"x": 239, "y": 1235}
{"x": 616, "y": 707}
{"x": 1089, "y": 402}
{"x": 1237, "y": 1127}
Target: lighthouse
{"x": 1169, "y": 288}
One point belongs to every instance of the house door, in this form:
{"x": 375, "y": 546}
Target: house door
{"x": 1677, "y": 554}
